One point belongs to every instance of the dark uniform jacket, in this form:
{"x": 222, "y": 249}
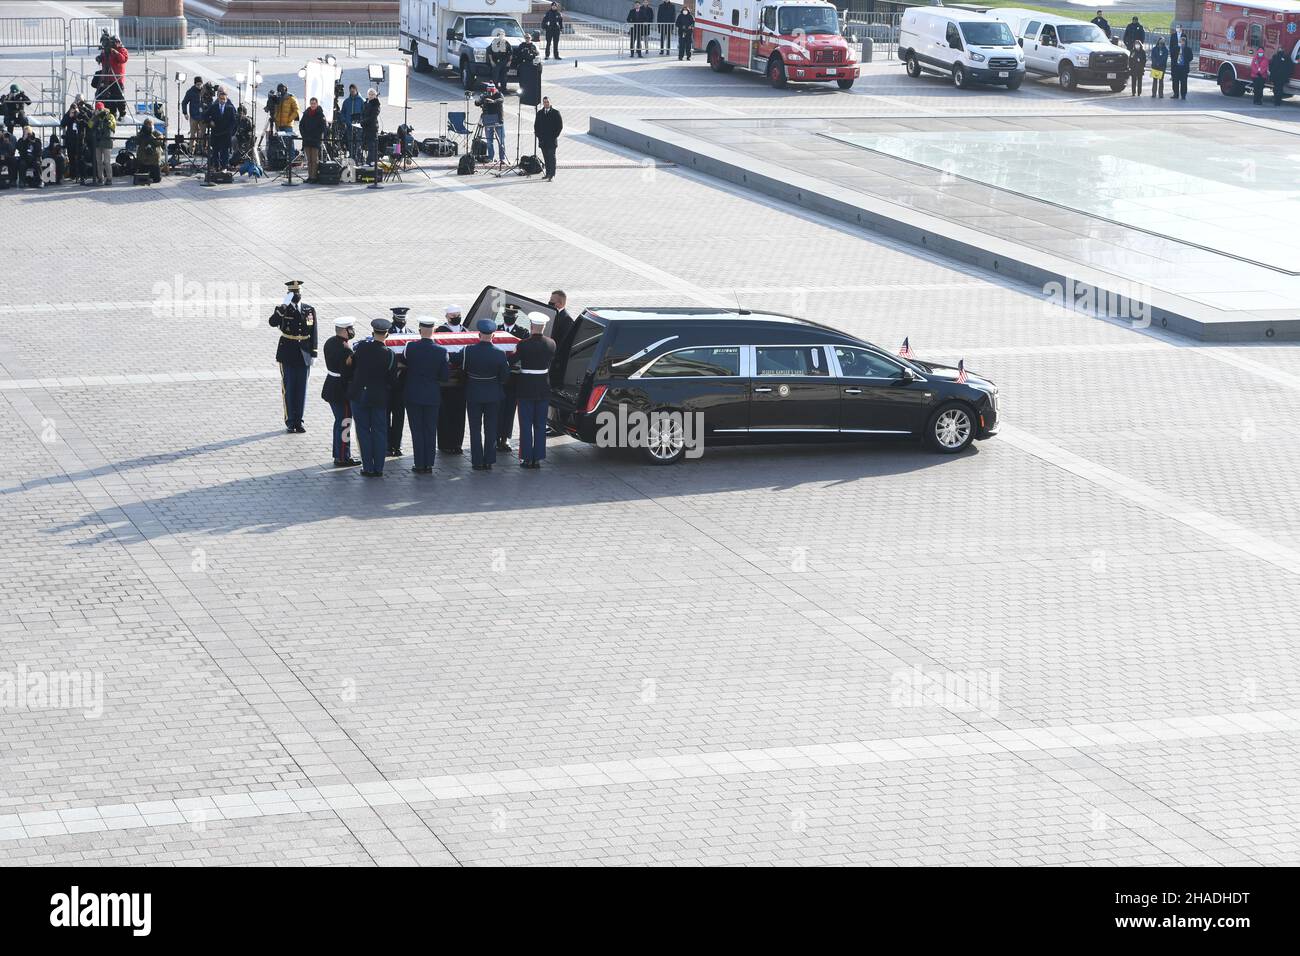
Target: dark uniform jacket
{"x": 548, "y": 125}
{"x": 685, "y": 23}
{"x": 1279, "y": 68}
{"x": 666, "y": 13}
{"x": 426, "y": 369}
{"x": 338, "y": 372}
{"x": 297, "y": 324}
{"x": 374, "y": 369}
{"x": 534, "y": 353}
{"x": 553, "y": 23}
{"x": 486, "y": 371}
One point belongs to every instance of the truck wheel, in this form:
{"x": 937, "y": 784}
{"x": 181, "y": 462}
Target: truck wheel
{"x": 1228, "y": 84}
{"x": 716, "y": 63}
{"x": 844, "y": 84}
{"x": 913, "y": 66}
{"x": 1118, "y": 87}
{"x": 1067, "y": 76}
{"x": 466, "y": 75}
{"x": 776, "y": 73}
{"x": 418, "y": 63}
{"x": 1014, "y": 83}
{"x": 959, "y": 76}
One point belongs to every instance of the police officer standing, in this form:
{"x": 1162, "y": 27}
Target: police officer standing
{"x": 397, "y": 406}
{"x": 451, "y": 413}
{"x": 534, "y": 356}
{"x": 506, "y": 424}
{"x": 338, "y": 376}
{"x": 296, "y": 321}
{"x": 374, "y": 370}
{"x": 426, "y": 370}
{"x": 486, "y": 371}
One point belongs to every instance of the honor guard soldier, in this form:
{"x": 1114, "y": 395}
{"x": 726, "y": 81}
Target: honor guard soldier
{"x": 486, "y": 371}
{"x": 374, "y": 370}
{"x": 534, "y": 356}
{"x": 451, "y": 413}
{"x": 510, "y": 322}
{"x": 426, "y": 370}
{"x": 296, "y": 321}
{"x": 397, "y": 406}
{"x": 338, "y": 376}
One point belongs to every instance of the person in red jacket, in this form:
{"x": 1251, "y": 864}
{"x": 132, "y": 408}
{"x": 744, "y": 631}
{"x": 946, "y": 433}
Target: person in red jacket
{"x": 112, "y": 60}
{"x": 1258, "y": 75}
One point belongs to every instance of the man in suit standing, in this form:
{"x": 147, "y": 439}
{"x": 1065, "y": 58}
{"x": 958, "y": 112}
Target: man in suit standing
{"x": 547, "y": 126}
{"x": 338, "y": 376}
{"x": 486, "y": 371}
{"x": 296, "y": 321}
{"x": 426, "y": 370}
{"x": 562, "y": 322}
{"x": 221, "y": 119}
{"x": 374, "y": 370}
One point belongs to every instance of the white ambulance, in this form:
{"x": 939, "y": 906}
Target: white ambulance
{"x": 788, "y": 41}
{"x": 454, "y": 34}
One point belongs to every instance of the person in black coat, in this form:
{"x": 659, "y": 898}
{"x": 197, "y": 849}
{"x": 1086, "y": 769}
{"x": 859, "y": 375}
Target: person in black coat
{"x": 370, "y": 125}
{"x": 547, "y": 127}
{"x": 553, "y": 26}
{"x": 374, "y": 369}
{"x": 451, "y": 413}
{"x": 666, "y": 15}
{"x": 311, "y": 127}
{"x": 1102, "y": 24}
{"x": 685, "y": 34}
{"x": 338, "y": 378}
{"x": 1134, "y": 33}
{"x": 1137, "y": 65}
{"x": 222, "y": 120}
{"x": 1279, "y": 71}
{"x": 76, "y": 127}
{"x": 426, "y": 371}
{"x": 1180, "y": 64}
{"x": 486, "y": 370}
{"x": 562, "y": 322}
{"x": 397, "y": 397}
{"x": 14, "y": 104}
{"x": 29, "y": 159}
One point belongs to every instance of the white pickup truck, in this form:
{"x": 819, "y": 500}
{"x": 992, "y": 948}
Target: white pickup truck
{"x": 454, "y": 34}
{"x": 1077, "y": 53}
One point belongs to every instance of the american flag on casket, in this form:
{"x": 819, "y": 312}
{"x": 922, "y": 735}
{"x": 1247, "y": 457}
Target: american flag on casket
{"x": 490, "y": 304}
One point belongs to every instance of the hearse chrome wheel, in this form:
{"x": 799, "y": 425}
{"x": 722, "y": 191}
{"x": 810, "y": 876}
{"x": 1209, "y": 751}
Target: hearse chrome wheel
{"x": 951, "y": 429}
{"x": 665, "y": 439}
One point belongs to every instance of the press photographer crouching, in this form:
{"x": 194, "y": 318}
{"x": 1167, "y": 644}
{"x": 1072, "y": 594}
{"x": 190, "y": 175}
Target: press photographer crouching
{"x": 148, "y": 147}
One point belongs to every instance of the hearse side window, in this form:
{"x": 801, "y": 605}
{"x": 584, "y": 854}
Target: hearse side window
{"x": 859, "y": 363}
{"x": 790, "y": 360}
{"x": 585, "y": 336}
{"x": 693, "y": 363}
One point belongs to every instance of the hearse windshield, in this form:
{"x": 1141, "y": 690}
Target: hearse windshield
{"x": 486, "y": 26}
{"x": 988, "y": 34}
{"x": 1080, "y": 33}
{"x": 813, "y": 21}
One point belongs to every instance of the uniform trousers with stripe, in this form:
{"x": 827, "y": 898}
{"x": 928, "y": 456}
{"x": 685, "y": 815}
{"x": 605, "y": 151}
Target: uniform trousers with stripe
{"x": 293, "y": 389}
{"x": 342, "y": 430}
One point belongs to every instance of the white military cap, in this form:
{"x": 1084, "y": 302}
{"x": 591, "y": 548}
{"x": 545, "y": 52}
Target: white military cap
{"x": 451, "y": 310}
{"x": 538, "y": 319}
{"x": 427, "y": 321}
{"x": 345, "y": 322}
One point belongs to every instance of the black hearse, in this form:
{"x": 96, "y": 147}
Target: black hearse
{"x": 755, "y": 377}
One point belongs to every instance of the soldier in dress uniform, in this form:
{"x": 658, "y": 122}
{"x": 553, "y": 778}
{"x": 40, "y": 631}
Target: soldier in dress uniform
{"x": 533, "y": 358}
{"x": 296, "y": 321}
{"x": 397, "y": 406}
{"x": 374, "y": 368}
{"x": 510, "y": 322}
{"x": 426, "y": 370}
{"x": 451, "y": 413}
{"x": 486, "y": 371}
{"x": 338, "y": 376}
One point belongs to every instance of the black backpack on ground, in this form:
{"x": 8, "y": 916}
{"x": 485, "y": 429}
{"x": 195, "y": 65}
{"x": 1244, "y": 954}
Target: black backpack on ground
{"x": 465, "y": 165}
{"x": 441, "y": 146}
{"x": 329, "y": 173}
{"x": 479, "y": 149}
{"x": 531, "y": 165}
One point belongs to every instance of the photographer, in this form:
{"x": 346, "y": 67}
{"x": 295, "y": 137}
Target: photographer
{"x": 553, "y": 26}
{"x": 112, "y": 59}
{"x": 312, "y": 126}
{"x": 149, "y": 145}
{"x": 223, "y": 122}
{"x": 493, "y": 119}
{"x": 102, "y": 128}
{"x": 29, "y": 159}
{"x": 54, "y": 151}
{"x": 76, "y": 127}
{"x": 283, "y": 109}
{"x": 14, "y": 102}
{"x": 350, "y": 112}
{"x": 499, "y": 56}
{"x": 7, "y": 158}
{"x": 370, "y": 125}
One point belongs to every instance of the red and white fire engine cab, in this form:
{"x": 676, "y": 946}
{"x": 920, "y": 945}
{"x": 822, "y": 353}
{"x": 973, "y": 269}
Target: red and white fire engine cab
{"x": 1232, "y": 32}
{"x": 789, "y": 41}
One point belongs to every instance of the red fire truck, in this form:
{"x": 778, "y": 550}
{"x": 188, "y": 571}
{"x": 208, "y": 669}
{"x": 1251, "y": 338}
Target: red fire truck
{"x": 1232, "y": 32}
{"x": 788, "y": 41}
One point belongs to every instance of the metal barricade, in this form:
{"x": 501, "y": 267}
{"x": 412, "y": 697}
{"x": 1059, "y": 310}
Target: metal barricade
{"x": 320, "y": 34}
{"x": 880, "y": 28}
{"x": 375, "y": 35}
{"x": 33, "y": 32}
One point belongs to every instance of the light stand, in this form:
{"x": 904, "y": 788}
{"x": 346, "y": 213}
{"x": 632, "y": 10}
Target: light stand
{"x": 375, "y": 72}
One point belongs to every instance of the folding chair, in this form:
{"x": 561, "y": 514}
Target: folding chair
{"x": 456, "y": 124}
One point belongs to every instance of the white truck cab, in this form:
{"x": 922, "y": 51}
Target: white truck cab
{"x": 969, "y": 47}
{"x": 455, "y": 34}
{"x": 1078, "y": 53}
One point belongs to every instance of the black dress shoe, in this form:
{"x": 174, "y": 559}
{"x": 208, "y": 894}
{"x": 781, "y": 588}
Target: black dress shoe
{"x": 394, "y": 453}
{"x": 346, "y": 463}
{"x": 479, "y": 467}
{"x": 503, "y": 445}
{"x": 299, "y": 430}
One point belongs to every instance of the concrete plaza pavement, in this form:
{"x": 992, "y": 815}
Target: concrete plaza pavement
{"x": 1073, "y": 644}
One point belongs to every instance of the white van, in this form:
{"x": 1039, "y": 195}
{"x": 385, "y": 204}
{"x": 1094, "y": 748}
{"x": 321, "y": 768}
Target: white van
{"x": 1076, "y": 52}
{"x": 969, "y": 47}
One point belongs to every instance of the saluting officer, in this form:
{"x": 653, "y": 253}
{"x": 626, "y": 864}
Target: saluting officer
{"x": 338, "y": 376}
{"x": 426, "y": 370}
{"x": 534, "y": 356}
{"x": 296, "y": 321}
{"x": 451, "y": 413}
{"x": 486, "y": 371}
{"x": 373, "y": 371}
{"x": 397, "y": 404}
{"x": 506, "y": 425}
